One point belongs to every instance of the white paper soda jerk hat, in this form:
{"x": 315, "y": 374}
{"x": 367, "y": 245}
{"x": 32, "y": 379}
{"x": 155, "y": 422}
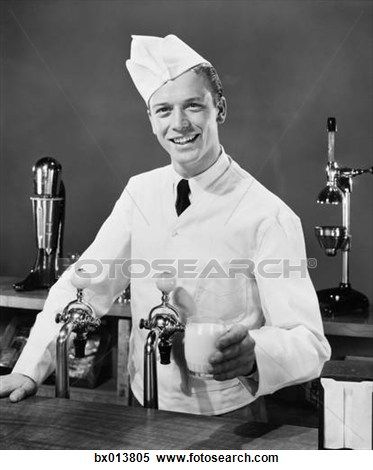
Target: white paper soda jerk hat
{"x": 154, "y": 61}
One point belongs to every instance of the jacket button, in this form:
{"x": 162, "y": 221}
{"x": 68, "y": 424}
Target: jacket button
{"x": 174, "y": 233}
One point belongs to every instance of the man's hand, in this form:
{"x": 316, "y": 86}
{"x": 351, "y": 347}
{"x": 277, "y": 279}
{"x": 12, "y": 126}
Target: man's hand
{"x": 17, "y": 387}
{"x": 235, "y": 356}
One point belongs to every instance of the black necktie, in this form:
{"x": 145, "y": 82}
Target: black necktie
{"x": 182, "y": 200}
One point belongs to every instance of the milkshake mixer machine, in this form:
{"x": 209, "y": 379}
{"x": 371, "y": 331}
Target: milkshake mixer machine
{"x": 48, "y": 207}
{"x": 342, "y": 299}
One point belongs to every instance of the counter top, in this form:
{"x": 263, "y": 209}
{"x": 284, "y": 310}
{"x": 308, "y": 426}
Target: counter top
{"x": 350, "y": 324}
{"x": 34, "y": 300}
{"x": 56, "y": 423}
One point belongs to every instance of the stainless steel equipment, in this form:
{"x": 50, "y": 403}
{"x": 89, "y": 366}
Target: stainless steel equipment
{"x": 77, "y": 317}
{"x": 163, "y": 322}
{"x": 125, "y": 297}
{"x": 341, "y": 299}
{"x": 48, "y": 207}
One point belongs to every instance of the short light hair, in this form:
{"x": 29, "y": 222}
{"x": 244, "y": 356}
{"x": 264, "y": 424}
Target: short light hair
{"x": 211, "y": 75}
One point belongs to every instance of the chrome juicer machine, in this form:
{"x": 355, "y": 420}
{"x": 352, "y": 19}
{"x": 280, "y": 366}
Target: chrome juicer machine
{"x": 48, "y": 207}
{"x": 342, "y": 299}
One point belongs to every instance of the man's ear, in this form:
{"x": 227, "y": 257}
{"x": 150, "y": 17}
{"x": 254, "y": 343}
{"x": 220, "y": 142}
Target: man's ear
{"x": 222, "y": 110}
{"x": 150, "y": 116}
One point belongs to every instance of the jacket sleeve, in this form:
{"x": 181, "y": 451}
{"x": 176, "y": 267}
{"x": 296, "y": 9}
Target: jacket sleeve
{"x": 104, "y": 259}
{"x": 290, "y": 347}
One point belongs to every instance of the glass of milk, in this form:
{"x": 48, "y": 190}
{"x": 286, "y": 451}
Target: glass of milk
{"x": 201, "y": 333}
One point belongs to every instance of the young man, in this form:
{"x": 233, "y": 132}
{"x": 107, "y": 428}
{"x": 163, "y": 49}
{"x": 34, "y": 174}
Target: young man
{"x": 204, "y": 208}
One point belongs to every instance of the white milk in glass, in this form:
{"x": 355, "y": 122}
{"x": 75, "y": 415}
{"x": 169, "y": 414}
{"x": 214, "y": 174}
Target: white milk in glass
{"x": 199, "y": 342}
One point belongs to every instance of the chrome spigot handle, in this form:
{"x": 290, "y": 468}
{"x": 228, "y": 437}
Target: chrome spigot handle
{"x": 165, "y": 283}
{"x": 80, "y": 279}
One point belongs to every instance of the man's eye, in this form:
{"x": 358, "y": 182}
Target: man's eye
{"x": 162, "y": 110}
{"x": 194, "y": 105}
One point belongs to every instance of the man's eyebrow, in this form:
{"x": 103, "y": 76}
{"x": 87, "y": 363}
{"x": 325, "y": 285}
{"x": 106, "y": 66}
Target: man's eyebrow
{"x": 155, "y": 105}
{"x": 195, "y": 98}
{"x": 188, "y": 100}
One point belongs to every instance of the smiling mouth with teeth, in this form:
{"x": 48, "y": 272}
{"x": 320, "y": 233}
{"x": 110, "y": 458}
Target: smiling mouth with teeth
{"x": 184, "y": 140}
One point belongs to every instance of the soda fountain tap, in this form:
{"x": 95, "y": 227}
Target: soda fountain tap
{"x": 341, "y": 299}
{"x": 77, "y": 317}
{"x": 163, "y": 322}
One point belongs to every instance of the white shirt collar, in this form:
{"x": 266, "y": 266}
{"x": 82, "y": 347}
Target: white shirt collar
{"x": 201, "y": 182}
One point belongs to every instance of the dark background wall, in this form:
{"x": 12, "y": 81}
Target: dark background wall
{"x": 286, "y": 67}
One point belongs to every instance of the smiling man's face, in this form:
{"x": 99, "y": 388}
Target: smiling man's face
{"x": 185, "y": 120}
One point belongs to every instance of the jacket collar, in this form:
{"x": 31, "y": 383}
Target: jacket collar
{"x": 199, "y": 183}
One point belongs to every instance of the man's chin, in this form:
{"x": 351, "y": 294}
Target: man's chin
{"x": 185, "y": 157}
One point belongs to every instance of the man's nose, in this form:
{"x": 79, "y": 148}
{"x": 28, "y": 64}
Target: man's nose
{"x": 180, "y": 120}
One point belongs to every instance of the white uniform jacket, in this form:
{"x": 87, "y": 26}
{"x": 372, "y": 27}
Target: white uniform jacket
{"x": 233, "y": 222}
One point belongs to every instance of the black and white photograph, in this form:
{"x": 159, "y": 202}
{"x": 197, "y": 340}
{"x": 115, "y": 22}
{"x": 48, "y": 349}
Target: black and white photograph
{"x": 186, "y": 232}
